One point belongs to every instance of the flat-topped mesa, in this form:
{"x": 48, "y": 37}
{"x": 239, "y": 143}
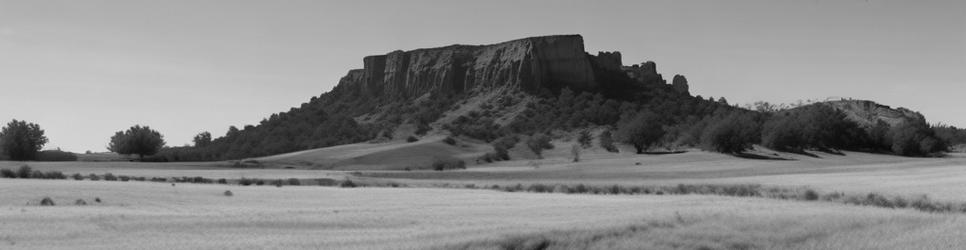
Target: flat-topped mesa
{"x": 530, "y": 64}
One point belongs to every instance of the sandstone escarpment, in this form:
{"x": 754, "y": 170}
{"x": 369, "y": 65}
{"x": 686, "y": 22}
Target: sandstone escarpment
{"x": 529, "y": 63}
{"x": 869, "y": 113}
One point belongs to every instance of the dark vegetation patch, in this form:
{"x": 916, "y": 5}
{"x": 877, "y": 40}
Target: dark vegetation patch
{"x": 47, "y": 201}
{"x": 25, "y": 172}
{"x": 920, "y": 203}
{"x": 56, "y": 155}
{"x": 440, "y": 164}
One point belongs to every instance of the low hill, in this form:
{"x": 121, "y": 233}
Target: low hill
{"x": 397, "y": 155}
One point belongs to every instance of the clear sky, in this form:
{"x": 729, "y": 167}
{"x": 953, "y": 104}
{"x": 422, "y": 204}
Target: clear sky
{"x": 84, "y": 69}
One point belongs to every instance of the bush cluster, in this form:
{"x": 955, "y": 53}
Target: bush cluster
{"x": 538, "y": 143}
{"x": 56, "y": 155}
{"x": 501, "y": 149}
{"x": 440, "y": 164}
{"x": 25, "y": 172}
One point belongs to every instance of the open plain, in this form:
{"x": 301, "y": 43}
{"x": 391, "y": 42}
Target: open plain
{"x": 162, "y": 215}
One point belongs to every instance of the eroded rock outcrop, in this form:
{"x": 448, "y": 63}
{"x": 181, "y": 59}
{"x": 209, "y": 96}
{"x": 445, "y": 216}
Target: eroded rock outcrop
{"x": 869, "y": 113}
{"x": 645, "y": 72}
{"x": 529, "y": 63}
{"x": 610, "y": 61}
{"x": 680, "y": 84}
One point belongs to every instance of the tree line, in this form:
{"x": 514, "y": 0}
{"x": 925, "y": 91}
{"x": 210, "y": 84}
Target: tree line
{"x": 646, "y": 117}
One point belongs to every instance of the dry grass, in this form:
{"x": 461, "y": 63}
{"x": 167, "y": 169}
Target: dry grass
{"x": 189, "y": 216}
{"x": 192, "y": 216}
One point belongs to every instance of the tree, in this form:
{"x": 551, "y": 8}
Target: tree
{"x": 607, "y": 142}
{"x": 915, "y": 138}
{"x": 641, "y": 130}
{"x": 584, "y": 138}
{"x": 731, "y": 134}
{"x": 575, "y": 152}
{"x": 202, "y": 139}
{"x": 232, "y": 131}
{"x": 21, "y": 140}
{"x": 538, "y": 143}
{"x": 136, "y": 140}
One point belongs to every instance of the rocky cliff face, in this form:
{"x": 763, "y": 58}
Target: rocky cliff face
{"x": 869, "y": 113}
{"x": 529, "y": 63}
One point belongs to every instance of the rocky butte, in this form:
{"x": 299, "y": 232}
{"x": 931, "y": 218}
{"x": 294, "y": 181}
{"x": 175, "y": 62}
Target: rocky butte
{"x": 530, "y": 64}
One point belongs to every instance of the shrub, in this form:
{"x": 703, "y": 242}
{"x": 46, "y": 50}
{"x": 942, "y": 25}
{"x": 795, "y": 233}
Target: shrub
{"x": 222, "y": 181}
{"x": 731, "y": 134}
{"x": 412, "y": 139}
{"x": 440, "y": 164}
{"x": 245, "y": 181}
{"x": 36, "y": 174}
{"x": 47, "y": 201}
{"x": 78, "y": 177}
{"x": 110, "y": 177}
{"x": 815, "y": 126}
{"x": 539, "y": 188}
{"x": 278, "y": 183}
{"x": 124, "y": 178}
{"x": 641, "y": 130}
{"x": 80, "y": 202}
{"x": 259, "y": 182}
{"x": 229, "y": 193}
{"x": 607, "y": 142}
{"x": 294, "y": 182}
{"x": 55, "y": 175}
{"x": 811, "y": 195}
{"x": 584, "y": 138}
{"x": 93, "y": 177}
{"x": 326, "y": 182}
{"x": 488, "y": 158}
{"x": 7, "y": 173}
{"x": 97, "y": 199}
{"x": 449, "y": 140}
{"x": 56, "y": 155}
{"x": 561, "y": 189}
{"x": 915, "y": 138}
{"x": 347, "y": 183}
{"x": 538, "y": 143}
{"x": 502, "y": 146}
{"x": 24, "y": 172}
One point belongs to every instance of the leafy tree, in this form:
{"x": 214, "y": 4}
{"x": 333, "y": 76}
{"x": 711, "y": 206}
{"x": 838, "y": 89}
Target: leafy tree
{"x": 782, "y": 134}
{"x": 232, "y": 131}
{"x": 731, "y": 134}
{"x": 538, "y": 143}
{"x": 642, "y": 130}
{"x": 815, "y": 126}
{"x": 584, "y": 138}
{"x": 202, "y": 139}
{"x": 136, "y": 140}
{"x": 21, "y": 140}
{"x": 607, "y": 141}
{"x": 915, "y": 138}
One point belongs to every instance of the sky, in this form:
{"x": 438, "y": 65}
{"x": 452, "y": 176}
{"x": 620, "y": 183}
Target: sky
{"x": 84, "y": 69}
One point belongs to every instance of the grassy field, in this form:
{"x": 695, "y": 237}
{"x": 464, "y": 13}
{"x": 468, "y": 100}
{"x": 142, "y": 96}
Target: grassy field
{"x": 191, "y": 216}
{"x": 188, "y": 216}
